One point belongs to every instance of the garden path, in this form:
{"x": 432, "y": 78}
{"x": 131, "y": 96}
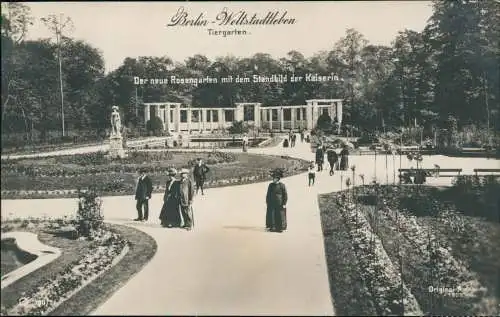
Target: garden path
{"x": 228, "y": 264}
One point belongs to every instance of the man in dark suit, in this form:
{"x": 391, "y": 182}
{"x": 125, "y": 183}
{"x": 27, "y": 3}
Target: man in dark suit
{"x": 199, "y": 173}
{"x": 320, "y": 157}
{"x": 186, "y": 195}
{"x": 333, "y": 158}
{"x": 142, "y": 195}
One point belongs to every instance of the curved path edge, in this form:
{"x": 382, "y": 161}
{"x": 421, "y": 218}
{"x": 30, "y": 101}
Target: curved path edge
{"x": 29, "y": 243}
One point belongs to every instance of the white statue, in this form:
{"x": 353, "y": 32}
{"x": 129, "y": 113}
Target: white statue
{"x": 116, "y": 123}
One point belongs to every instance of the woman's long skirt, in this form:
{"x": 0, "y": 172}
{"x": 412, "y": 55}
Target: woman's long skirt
{"x": 170, "y": 215}
{"x": 344, "y": 163}
{"x": 276, "y": 218}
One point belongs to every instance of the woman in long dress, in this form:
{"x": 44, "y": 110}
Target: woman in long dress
{"x": 276, "y": 200}
{"x": 344, "y": 158}
{"x": 245, "y": 143}
{"x": 170, "y": 215}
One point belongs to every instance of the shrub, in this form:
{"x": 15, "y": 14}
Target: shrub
{"x": 367, "y": 139}
{"x": 154, "y": 125}
{"x": 136, "y": 156}
{"x": 86, "y": 159}
{"x": 89, "y": 213}
{"x": 477, "y": 195}
{"x": 238, "y": 127}
{"x": 324, "y": 123}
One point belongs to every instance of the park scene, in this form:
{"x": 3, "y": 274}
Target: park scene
{"x": 221, "y": 178}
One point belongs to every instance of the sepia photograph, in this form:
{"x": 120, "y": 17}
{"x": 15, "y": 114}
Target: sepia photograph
{"x": 250, "y": 158}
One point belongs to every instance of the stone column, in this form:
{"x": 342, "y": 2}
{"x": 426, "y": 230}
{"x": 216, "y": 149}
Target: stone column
{"x": 333, "y": 111}
{"x": 292, "y": 118}
{"x": 189, "y": 112}
{"x": 222, "y": 120}
{"x": 282, "y": 119}
{"x": 314, "y": 113}
{"x": 146, "y": 113}
{"x": 256, "y": 114}
{"x": 339, "y": 114}
{"x": 177, "y": 120}
{"x": 158, "y": 112}
{"x": 203, "y": 118}
{"x": 270, "y": 112}
{"x": 309, "y": 115}
{"x": 239, "y": 113}
{"x": 167, "y": 118}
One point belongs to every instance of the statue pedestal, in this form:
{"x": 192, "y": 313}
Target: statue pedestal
{"x": 116, "y": 147}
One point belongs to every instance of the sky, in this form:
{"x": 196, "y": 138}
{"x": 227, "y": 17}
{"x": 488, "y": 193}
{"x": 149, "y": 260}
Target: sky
{"x": 132, "y": 29}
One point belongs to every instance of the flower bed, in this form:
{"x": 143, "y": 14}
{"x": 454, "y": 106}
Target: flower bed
{"x": 107, "y": 249}
{"x": 248, "y": 168}
{"x": 447, "y": 276}
{"x": 389, "y": 293}
{"x": 98, "y": 163}
{"x": 448, "y": 270}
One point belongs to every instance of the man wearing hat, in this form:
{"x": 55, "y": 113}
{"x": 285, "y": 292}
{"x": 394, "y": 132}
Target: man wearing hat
{"x": 199, "y": 173}
{"x": 332, "y": 158}
{"x": 186, "y": 195}
{"x": 170, "y": 214}
{"x": 276, "y": 200}
{"x": 143, "y": 194}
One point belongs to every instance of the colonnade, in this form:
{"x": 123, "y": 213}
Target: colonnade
{"x": 177, "y": 117}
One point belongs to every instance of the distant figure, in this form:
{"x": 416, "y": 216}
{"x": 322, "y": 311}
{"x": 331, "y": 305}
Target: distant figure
{"x": 311, "y": 175}
{"x": 276, "y": 199}
{"x": 308, "y": 139}
{"x": 245, "y": 142}
{"x": 344, "y": 158}
{"x": 420, "y": 177}
{"x": 405, "y": 178}
{"x": 320, "y": 157}
{"x": 302, "y": 136}
{"x": 333, "y": 159}
{"x": 142, "y": 195}
{"x": 186, "y": 199}
{"x": 285, "y": 143}
{"x": 199, "y": 173}
{"x": 294, "y": 138}
{"x": 170, "y": 215}
{"x": 290, "y": 134}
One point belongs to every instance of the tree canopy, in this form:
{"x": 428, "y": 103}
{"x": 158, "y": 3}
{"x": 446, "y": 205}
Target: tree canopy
{"x": 448, "y": 69}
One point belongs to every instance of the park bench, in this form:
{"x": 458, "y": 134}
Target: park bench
{"x": 489, "y": 171}
{"x": 405, "y": 174}
{"x": 433, "y": 171}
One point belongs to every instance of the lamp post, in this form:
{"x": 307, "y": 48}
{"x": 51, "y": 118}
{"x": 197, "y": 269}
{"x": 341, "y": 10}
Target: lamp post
{"x": 31, "y": 126}
{"x": 56, "y": 25}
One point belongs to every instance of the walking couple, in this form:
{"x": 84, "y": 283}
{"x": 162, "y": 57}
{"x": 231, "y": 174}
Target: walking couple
{"x": 177, "y": 210}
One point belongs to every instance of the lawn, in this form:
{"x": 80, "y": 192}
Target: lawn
{"x": 119, "y": 177}
{"x": 141, "y": 250}
{"x": 446, "y": 248}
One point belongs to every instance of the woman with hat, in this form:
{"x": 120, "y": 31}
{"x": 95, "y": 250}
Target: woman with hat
{"x": 344, "y": 158}
{"x": 170, "y": 213}
{"x": 276, "y": 200}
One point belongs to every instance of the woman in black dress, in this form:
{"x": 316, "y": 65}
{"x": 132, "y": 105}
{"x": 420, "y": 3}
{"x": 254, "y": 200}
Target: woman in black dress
{"x": 344, "y": 158}
{"x": 170, "y": 215}
{"x": 276, "y": 199}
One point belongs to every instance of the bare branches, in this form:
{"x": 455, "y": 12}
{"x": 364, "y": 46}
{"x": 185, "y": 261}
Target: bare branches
{"x": 57, "y": 24}
{"x": 17, "y": 20}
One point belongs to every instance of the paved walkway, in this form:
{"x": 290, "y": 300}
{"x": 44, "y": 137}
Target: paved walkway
{"x": 228, "y": 264}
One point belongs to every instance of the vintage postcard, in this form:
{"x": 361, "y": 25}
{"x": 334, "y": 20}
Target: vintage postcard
{"x": 250, "y": 158}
